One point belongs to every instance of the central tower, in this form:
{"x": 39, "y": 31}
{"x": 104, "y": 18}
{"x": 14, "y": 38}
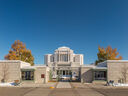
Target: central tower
{"x": 64, "y": 56}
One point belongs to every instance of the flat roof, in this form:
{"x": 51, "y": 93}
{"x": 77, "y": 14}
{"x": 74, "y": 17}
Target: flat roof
{"x": 99, "y": 68}
{"x": 10, "y": 61}
{"x": 89, "y": 65}
{"x": 114, "y": 61}
{"x": 28, "y": 67}
{"x": 117, "y": 61}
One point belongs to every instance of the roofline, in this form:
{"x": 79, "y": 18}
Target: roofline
{"x": 40, "y": 66}
{"x": 113, "y": 61}
{"x": 31, "y": 67}
{"x": 19, "y": 61}
{"x": 100, "y": 68}
{"x": 10, "y": 61}
{"x": 117, "y": 61}
{"x": 90, "y": 66}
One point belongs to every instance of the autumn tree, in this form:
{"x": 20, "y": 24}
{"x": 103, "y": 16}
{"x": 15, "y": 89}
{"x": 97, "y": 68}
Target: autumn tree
{"x": 107, "y": 54}
{"x": 19, "y": 51}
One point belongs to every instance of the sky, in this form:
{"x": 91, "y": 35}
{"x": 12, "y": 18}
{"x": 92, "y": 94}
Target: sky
{"x": 82, "y": 25}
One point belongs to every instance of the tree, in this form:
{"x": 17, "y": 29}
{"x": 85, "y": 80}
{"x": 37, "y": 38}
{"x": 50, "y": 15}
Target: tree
{"x": 4, "y": 72}
{"x": 107, "y": 54}
{"x": 19, "y": 51}
{"x": 124, "y": 72}
{"x": 50, "y": 75}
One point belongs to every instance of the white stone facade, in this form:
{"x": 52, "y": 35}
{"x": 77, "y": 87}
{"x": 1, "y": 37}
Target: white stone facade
{"x": 64, "y": 62}
{"x": 64, "y": 56}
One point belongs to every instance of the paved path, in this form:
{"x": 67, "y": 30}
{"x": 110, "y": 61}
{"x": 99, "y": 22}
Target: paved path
{"x": 84, "y": 90}
{"x": 77, "y": 89}
{"x": 37, "y": 92}
{"x": 63, "y": 85}
{"x": 47, "y": 85}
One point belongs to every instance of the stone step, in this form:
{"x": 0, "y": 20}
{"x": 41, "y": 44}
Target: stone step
{"x": 26, "y": 82}
{"x": 99, "y": 82}
{"x": 63, "y": 85}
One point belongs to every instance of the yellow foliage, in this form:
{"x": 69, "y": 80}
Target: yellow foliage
{"x": 19, "y": 51}
{"x": 107, "y": 54}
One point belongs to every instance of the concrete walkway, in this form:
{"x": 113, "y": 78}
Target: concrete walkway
{"x": 47, "y": 85}
{"x": 78, "y": 89}
{"x": 63, "y": 85}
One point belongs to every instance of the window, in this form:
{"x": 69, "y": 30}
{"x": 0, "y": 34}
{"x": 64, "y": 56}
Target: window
{"x": 100, "y": 75}
{"x": 27, "y": 75}
{"x": 64, "y": 57}
{"x": 63, "y": 72}
{"x": 52, "y": 58}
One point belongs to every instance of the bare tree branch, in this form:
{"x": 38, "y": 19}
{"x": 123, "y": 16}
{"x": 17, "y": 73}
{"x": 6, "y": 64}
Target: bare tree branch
{"x": 124, "y": 72}
{"x": 5, "y": 72}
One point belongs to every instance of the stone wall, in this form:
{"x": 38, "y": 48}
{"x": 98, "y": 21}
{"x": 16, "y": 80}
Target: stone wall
{"x": 41, "y": 70}
{"x": 116, "y": 69}
{"x": 86, "y": 74}
{"x": 10, "y": 70}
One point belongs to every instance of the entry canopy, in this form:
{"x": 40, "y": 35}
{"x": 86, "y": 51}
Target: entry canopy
{"x": 100, "y": 68}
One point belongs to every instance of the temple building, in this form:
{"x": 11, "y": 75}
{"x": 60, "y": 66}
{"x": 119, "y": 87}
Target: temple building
{"x": 63, "y": 65}
{"x": 64, "y": 62}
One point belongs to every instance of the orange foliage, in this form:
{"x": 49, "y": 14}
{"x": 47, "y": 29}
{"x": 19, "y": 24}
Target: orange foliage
{"x": 19, "y": 51}
{"x": 107, "y": 54}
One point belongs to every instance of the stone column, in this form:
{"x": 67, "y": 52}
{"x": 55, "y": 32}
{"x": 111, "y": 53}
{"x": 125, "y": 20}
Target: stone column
{"x": 68, "y": 57}
{"x": 62, "y": 56}
{"x": 62, "y": 72}
{"x": 59, "y": 56}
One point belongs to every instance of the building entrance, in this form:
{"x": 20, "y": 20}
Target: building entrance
{"x": 64, "y": 75}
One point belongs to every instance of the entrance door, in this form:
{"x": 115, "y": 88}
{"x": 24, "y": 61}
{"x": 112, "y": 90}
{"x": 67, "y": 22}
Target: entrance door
{"x": 64, "y": 75}
{"x": 28, "y": 75}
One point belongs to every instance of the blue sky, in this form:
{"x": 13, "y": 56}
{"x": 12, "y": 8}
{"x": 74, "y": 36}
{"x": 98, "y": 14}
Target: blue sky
{"x": 82, "y": 25}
